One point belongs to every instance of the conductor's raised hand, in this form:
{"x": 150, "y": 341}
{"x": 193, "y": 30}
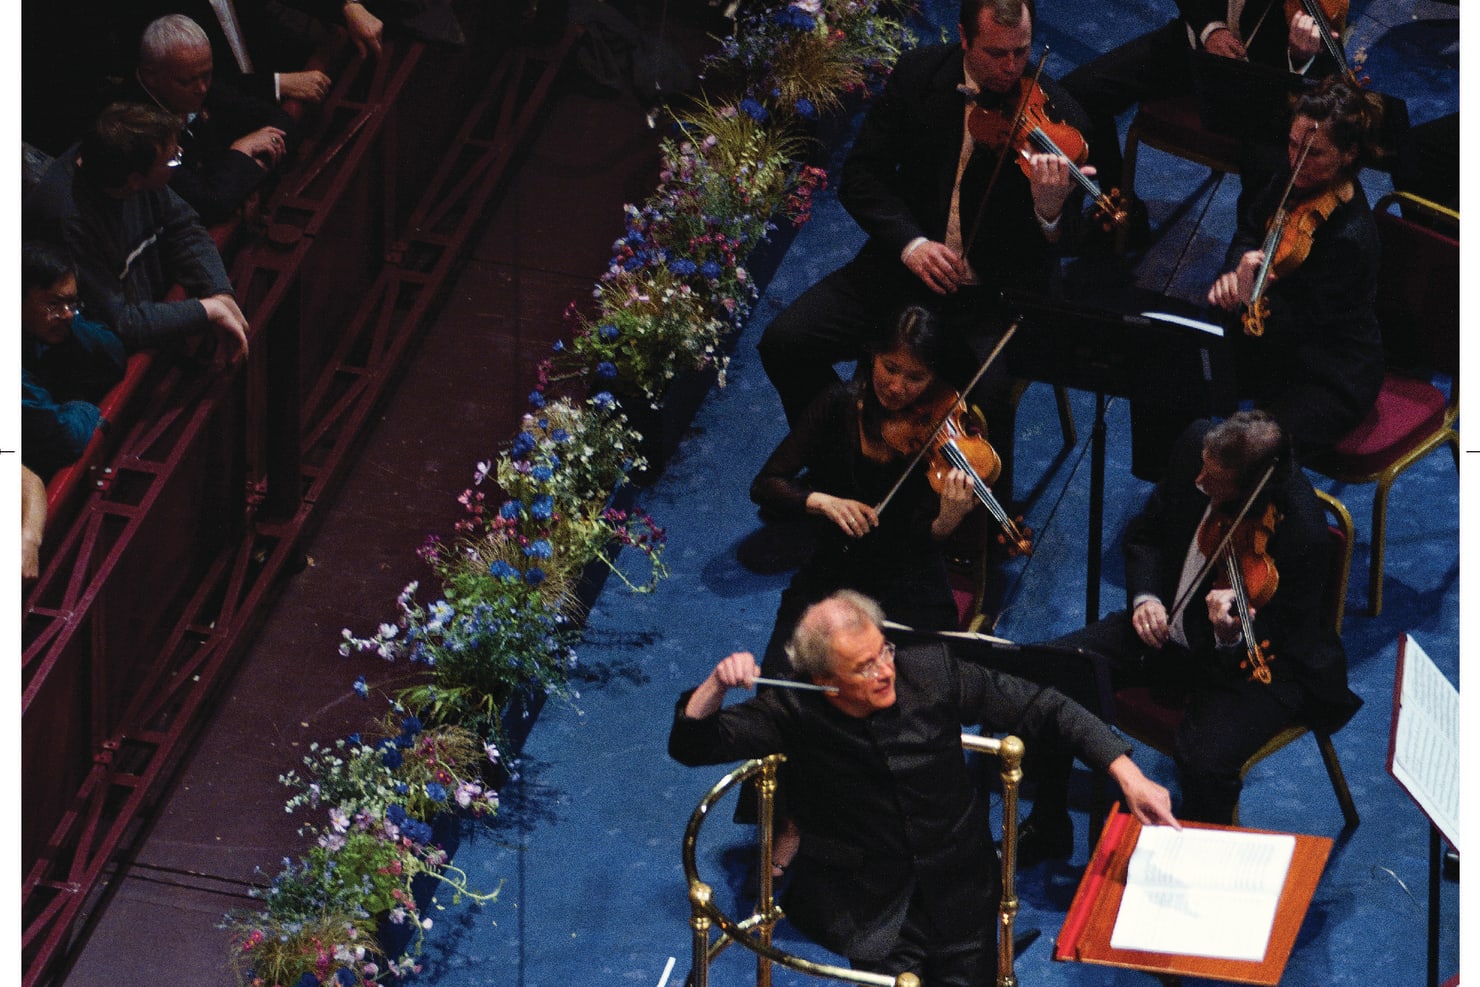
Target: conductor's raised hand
{"x": 735, "y": 671}
{"x": 940, "y": 267}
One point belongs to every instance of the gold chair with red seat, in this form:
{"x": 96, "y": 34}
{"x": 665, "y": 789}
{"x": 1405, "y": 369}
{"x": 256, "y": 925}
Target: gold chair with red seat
{"x": 1418, "y": 308}
{"x": 1153, "y": 723}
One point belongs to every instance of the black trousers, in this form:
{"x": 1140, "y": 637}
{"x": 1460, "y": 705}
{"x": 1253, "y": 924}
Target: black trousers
{"x": 1228, "y": 718}
{"x": 936, "y": 960}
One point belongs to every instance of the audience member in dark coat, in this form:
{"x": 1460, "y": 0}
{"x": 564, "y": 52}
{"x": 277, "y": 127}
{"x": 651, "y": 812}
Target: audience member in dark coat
{"x": 229, "y": 142}
{"x": 132, "y": 239}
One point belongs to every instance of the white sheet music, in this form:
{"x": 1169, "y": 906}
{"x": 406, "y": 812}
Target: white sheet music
{"x": 1203, "y": 892}
{"x": 1426, "y": 739}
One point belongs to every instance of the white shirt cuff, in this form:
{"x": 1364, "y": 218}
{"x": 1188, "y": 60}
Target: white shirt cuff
{"x": 1212, "y": 26}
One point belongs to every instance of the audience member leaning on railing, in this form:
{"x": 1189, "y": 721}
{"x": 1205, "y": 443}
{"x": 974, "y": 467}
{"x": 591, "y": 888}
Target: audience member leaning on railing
{"x": 68, "y": 363}
{"x": 144, "y": 263}
{"x": 230, "y": 142}
{"x": 131, "y": 240}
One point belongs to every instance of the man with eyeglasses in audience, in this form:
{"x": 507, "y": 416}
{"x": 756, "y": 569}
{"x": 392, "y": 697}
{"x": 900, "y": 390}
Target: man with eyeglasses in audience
{"x": 896, "y": 870}
{"x": 132, "y": 239}
{"x": 68, "y": 363}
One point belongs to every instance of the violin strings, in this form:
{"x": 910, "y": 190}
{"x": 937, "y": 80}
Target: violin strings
{"x": 1047, "y": 145}
{"x": 958, "y": 459}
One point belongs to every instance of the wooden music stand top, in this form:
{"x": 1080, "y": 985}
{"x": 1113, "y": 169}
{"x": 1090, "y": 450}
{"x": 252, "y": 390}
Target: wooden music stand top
{"x": 1085, "y": 935}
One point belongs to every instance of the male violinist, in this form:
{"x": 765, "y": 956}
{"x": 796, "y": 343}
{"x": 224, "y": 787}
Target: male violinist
{"x": 1159, "y": 64}
{"x": 941, "y": 232}
{"x": 1199, "y": 653}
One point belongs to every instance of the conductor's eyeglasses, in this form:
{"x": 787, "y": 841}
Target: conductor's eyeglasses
{"x": 876, "y": 665}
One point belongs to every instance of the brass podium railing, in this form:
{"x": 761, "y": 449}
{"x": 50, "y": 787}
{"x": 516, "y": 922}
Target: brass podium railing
{"x": 754, "y": 932}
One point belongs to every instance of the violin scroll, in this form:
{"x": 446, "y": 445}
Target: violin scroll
{"x": 1254, "y": 316}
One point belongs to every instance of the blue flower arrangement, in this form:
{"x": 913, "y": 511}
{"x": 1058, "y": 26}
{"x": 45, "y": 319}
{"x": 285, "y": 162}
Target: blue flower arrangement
{"x": 507, "y": 614}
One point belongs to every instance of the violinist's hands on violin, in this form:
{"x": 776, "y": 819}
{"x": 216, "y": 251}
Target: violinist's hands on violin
{"x": 957, "y": 498}
{"x": 1051, "y": 182}
{"x": 1149, "y": 802}
{"x": 1234, "y": 288}
{"x": 940, "y": 267}
{"x": 1305, "y": 37}
{"x": 1225, "y": 43}
{"x": 1223, "y": 614}
{"x": 856, "y": 519}
{"x": 1150, "y": 623}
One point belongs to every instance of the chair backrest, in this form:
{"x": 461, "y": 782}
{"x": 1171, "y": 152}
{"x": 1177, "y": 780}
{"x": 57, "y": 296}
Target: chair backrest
{"x": 1417, "y": 291}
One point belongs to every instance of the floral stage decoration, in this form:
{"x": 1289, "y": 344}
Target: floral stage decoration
{"x": 513, "y": 578}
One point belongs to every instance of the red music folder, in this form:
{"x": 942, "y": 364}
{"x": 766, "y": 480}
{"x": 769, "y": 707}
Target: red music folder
{"x": 1086, "y": 934}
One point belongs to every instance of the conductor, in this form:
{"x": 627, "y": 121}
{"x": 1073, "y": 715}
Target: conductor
{"x": 896, "y": 870}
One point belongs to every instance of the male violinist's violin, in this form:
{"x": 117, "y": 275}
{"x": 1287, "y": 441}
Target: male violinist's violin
{"x": 1248, "y": 571}
{"x": 1239, "y": 542}
{"x": 1031, "y": 129}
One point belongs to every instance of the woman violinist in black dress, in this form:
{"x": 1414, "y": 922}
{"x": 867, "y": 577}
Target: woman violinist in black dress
{"x": 838, "y": 463}
{"x": 1316, "y": 363}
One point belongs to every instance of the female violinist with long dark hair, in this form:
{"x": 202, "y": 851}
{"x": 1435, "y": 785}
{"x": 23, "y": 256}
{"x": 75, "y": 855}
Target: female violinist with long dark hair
{"x": 1308, "y": 348}
{"x": 838, "y": 463}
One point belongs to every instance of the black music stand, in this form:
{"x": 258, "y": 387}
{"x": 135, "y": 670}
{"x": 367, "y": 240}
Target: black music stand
{"x": 1171, "y": 361}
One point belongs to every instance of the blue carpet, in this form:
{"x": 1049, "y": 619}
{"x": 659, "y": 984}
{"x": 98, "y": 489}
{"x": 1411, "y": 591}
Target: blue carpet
{"x": 587, "y": 847}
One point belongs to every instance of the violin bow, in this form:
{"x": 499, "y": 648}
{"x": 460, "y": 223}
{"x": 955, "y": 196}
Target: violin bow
{"x": 926, "y": 446}
{"x": 1017, "y": 121}
{"x": 1217, "y": 554}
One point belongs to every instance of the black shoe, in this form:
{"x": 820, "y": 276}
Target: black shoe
{"x": 1040, "y": 839}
